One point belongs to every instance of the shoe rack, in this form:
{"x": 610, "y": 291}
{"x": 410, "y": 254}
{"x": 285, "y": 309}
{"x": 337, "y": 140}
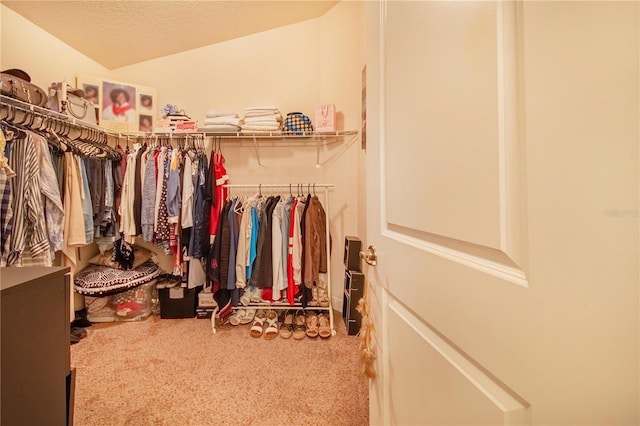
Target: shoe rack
{"x": 286, "y": 189}
{"x": 353, "y": 285}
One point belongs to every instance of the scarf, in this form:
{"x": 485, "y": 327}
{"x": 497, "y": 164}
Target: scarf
{"x": 120, "y": 110}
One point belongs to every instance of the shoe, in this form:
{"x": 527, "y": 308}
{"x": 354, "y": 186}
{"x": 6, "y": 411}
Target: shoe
{"x": 323, "y": 296}
{"x": 314, "y": 296}
{"x": 324, "y": 326}
{"x": 312, "y": 324}
{"x": 77, "y": 334}
{"x": 248, "y": 316}
{"x": 271, "y": 331}
{"x": 81, "y": 323}
{"x": 81, "y": 333}
{"x": 286, "y": 324}
{"x": 258, "y": 323}
{"x": 256, "y": 296}
{"x": 245, "y": 299}
{"x": 234, "y": 319}
{"x": 299, "y": 329}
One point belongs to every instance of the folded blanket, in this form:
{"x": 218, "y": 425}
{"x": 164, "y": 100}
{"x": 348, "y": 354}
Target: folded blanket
{"x": 212, "y": 113}
{"x": 264, "y": 114}
{"x": 263, "y": 119}
{"x": 221, "y": 128}
{"x": 103, "y": 280}
{"x": 222, "y": 120}
{"x": 260, "y": 128}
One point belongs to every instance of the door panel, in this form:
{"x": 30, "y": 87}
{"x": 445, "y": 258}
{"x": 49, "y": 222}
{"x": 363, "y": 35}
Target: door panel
{"x": 441, "y": 385}
{"x": 442, "y": 112}
{"x": 503, "y": 201}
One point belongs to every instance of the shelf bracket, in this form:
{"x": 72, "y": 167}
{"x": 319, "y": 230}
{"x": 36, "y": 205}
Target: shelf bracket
{"x": 255, "y": 145}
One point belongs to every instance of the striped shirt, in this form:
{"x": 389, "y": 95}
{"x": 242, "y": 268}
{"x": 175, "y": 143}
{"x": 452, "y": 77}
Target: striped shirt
{"x": 6, "y": 212}
{"x": 27, "y": 209}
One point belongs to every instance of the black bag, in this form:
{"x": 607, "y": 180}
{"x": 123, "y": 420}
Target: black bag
{"x": 297, "y": 123}
{"x": 17, "y": 84}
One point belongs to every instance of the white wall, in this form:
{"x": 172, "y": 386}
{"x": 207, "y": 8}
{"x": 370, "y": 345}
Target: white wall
{"x": 45, "y": 58}
{"x": 295, "y": 68}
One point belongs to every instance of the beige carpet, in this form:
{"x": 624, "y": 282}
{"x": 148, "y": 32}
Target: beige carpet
{"x": 175, "y": 372}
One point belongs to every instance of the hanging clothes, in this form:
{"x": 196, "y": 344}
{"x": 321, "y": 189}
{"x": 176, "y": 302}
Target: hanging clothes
{"x": 74, "y": 234}
{"x": 53, "y": 208}
{"x": 127, "y": 199}
{"x": 219, "y": 191}
{"x": 263, "y": 276}
{"x": 147, "y": 219}
{"x": 244, "y": 242}
{"x": 173, "y": 202}
{"x": 279, "y": 279}
{"x": 29, "y": 226}
{"x": 87, "y": 206}
{"x": 162, "y": 219}
{"x": 315, "y": 241}
{"x": 199, "y": 240}
{"x": 6, "y": 200}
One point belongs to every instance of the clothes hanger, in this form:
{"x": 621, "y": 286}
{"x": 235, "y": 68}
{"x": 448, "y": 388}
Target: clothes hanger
{"x": 12, "y": 132}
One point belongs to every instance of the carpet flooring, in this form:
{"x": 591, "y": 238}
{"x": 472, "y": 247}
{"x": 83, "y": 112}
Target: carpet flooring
{"x": 176, "y": 372}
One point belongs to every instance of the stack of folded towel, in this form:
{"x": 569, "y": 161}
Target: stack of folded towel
{"x": 261, "y": 120}
{"x": 221, "y": 122}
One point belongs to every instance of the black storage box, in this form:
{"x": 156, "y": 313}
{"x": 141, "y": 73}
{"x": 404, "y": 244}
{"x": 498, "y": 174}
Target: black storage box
{"x": 177, "y": 302}
{"x": 353, "y": 292}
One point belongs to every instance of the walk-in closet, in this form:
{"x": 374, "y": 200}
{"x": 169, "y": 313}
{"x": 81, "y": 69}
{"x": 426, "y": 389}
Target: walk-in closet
{"x": 197, "y": 236}
{"x": 319, "y": 212}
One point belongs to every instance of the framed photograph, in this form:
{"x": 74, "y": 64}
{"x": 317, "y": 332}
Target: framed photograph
{"x": 121, "y": 107}
{"x": 91, "y": 87}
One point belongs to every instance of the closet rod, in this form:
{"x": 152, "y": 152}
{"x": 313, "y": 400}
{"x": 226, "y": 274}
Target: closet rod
{"x": 43, "y": 112}
{"x": 16, "y": 104}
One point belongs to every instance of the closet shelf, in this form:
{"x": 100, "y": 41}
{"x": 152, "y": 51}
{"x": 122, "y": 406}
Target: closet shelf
{"x": 309, "y": 140}
{"x": 317, "y": 140}
{"x": 325, "y": 138}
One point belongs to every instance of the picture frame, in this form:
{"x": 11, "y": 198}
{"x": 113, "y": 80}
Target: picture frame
{"x": 120, "y": 106}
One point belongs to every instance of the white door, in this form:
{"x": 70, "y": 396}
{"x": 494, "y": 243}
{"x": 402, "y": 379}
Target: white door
{"x": 502, "y": 169}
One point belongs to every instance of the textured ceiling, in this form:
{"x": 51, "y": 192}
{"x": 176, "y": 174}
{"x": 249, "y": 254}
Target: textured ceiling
{"x": 116, "y": 33}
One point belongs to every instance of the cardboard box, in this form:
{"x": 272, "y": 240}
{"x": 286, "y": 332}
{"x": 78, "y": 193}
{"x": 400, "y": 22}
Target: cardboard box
{"x": 177, "y": 302}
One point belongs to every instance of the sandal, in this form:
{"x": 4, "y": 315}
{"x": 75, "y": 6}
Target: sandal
{"x": 258, "y": 323}
{"x": 237, "y": 315}
{"x": 272, "y": 325}
{"x": 324, "y": 327}
{"x": 299, "y": 329}
{"x": 312, "y": 324}
{"x": 286, "y": 325}
{"x": 248, "y": 316}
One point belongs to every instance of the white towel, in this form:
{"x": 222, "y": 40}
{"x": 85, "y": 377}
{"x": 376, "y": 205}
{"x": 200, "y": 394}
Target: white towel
{"x": 264, "y": 114}
{"x": 222, "y": 120}
{"x": 263, "y": 119}
{"x": 260, "y": 128}
{"x": 213, "y": 113}
{"x": 221, "y": 128}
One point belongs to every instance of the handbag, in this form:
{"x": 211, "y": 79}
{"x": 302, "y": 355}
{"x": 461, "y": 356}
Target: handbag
{"x": 17, "y": 84}
{"x": 296, "y": 123}
{"x": 77, "y": 106}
